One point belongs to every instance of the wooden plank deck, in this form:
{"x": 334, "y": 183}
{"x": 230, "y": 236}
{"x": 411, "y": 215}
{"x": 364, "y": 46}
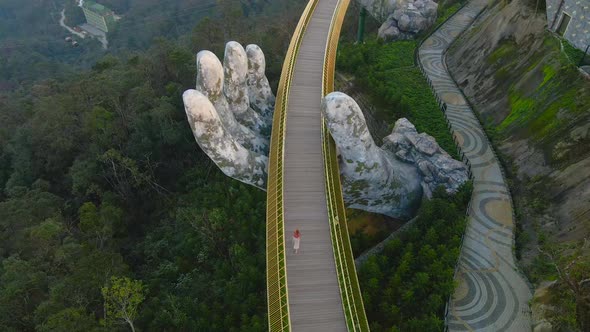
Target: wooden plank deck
{"x": 314, "y": 295}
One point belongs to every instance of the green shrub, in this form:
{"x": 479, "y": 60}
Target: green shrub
{"x": 386, "y": 73}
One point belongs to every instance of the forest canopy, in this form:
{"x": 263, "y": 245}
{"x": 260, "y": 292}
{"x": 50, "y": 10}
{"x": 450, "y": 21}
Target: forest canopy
{"x": 106, "y": 196}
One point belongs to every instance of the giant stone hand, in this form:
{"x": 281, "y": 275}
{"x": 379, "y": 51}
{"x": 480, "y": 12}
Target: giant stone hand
{"x": 230, "y": 113}
{"x": 390, "y": 179}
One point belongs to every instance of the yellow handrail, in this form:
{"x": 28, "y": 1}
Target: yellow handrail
{"x": 276, "y": 276}
{"x": 352, "y": 301}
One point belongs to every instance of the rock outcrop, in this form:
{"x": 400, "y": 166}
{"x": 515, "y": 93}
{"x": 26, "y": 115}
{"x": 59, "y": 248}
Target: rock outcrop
{"x": 230, "y": 113}
{"x": 401, "y": 19}
{"x": 436, "y": 166}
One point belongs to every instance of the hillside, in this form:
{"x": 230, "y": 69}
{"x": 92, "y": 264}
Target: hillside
{"x": 535, "y": 105}
{"x": 32, "y": 43}
{"x": 100, "y": 177}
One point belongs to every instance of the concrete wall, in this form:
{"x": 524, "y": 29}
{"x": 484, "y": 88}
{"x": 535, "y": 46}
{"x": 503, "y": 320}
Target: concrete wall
{"x": 578, "y": 31}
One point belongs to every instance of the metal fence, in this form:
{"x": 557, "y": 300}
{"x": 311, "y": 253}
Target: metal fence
{"x": 276, "y": 274}
{"x": 352, "y": 301}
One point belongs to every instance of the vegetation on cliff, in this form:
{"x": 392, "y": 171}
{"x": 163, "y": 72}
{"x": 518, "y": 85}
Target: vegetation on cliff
{"x": 537, "y": 115}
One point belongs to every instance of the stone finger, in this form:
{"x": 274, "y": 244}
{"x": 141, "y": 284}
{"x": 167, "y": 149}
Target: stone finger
{"x": 235, "y": 66}
{"x": 210, "y": 82}
{"x": 229, "y": 155}
{"x": 262, "y": 99}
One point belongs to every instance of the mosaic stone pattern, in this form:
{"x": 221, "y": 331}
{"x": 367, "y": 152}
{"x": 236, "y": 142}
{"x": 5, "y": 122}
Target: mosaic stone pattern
{"x": 491, "y": 295}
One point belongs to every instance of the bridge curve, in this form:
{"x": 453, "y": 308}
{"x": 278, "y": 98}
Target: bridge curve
{"x": 317, "y": 289}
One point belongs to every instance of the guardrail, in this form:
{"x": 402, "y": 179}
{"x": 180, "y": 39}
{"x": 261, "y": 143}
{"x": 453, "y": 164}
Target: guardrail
{"x": 350, "y": 292}
{"x": 276, "y": 275}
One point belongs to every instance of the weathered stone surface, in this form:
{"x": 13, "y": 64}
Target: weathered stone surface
{"x": 402, "y": 19}
{"x": 373, "y": 179}
{"x": 262, "y": 100}
{"x": 214, "y": 139}
{"x": 237, "y": 89}
{"x": 222, "y": 116}
{"x": 435, "y": 165}
{"x": 389, "y": 180}
{"x": 379, "y": 9}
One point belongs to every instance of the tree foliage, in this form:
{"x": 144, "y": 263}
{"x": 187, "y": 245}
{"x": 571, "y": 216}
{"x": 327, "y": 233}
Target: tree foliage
{"x": 122, "y": 298}
{"x": 405, "y": 287}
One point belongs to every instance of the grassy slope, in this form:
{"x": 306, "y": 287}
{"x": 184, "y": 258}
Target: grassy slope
{"x": 559, "y": 97}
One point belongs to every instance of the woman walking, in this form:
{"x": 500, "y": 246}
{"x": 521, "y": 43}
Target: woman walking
{"x": 296, "y": 240}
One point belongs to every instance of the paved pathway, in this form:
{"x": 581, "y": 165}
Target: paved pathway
{"x": 492, "y": 295}
{"x": 314, "y": 295}
{"x": 63, "y": 24}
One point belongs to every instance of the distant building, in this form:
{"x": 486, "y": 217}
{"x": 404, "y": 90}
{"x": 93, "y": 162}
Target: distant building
{"x": 98, "y": 16}
{"x": 570, "y": 19}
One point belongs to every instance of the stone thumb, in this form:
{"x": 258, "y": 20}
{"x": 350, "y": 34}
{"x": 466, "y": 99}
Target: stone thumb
{"x": 348, "y": 127}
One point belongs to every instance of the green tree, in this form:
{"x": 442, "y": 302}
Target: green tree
{"x": 122, "y": 297}
{"x": 70, "y": 319}
{"x": 46, "y": 236}
{"x": 22, "y": 288}
{"x": 97, "y": 224}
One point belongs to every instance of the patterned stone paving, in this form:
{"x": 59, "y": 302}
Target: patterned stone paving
{"x": 491, "y": 295}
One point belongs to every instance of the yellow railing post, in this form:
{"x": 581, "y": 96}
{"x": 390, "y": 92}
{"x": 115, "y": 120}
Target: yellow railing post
{"x": 277, "y": 291}
{"x": 276, "y": 274}
{"x": 352, "y": 301}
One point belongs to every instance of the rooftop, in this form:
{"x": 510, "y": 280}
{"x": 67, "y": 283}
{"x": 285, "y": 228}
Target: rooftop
{"x": 96, "y": 7}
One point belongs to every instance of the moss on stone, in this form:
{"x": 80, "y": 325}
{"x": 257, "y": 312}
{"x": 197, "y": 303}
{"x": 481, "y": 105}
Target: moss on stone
{"x": 550, "y": 106}
{"x": 362, "y": 166}
{"x": 520, "y": 109}
{"x": 507, "y": 50}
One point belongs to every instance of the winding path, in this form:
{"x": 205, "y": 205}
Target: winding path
{"x": 62, "y": 22}
{"x": 491, "y": 294}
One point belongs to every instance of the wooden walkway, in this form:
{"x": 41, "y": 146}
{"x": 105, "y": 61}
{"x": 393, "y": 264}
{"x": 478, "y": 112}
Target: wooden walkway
{"x": 314, "y": 295}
